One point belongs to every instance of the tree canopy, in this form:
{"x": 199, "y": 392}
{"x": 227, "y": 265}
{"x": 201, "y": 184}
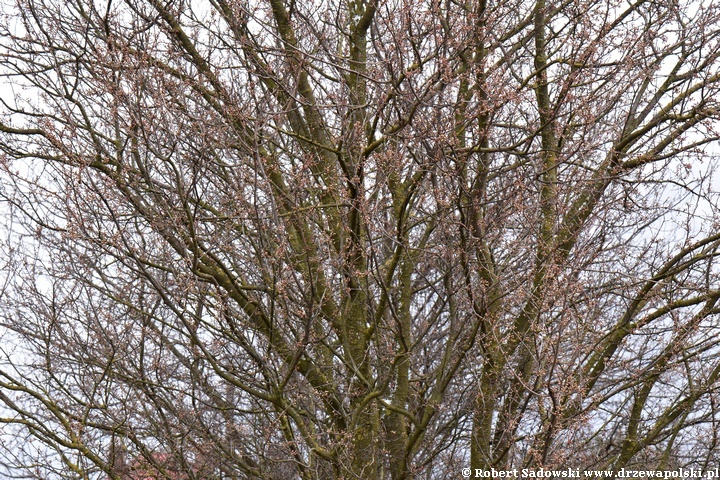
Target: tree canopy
{"x": 358, "y": 238}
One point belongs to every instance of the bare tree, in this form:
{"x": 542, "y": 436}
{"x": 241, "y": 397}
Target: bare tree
{"x": 358, "y": 239}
